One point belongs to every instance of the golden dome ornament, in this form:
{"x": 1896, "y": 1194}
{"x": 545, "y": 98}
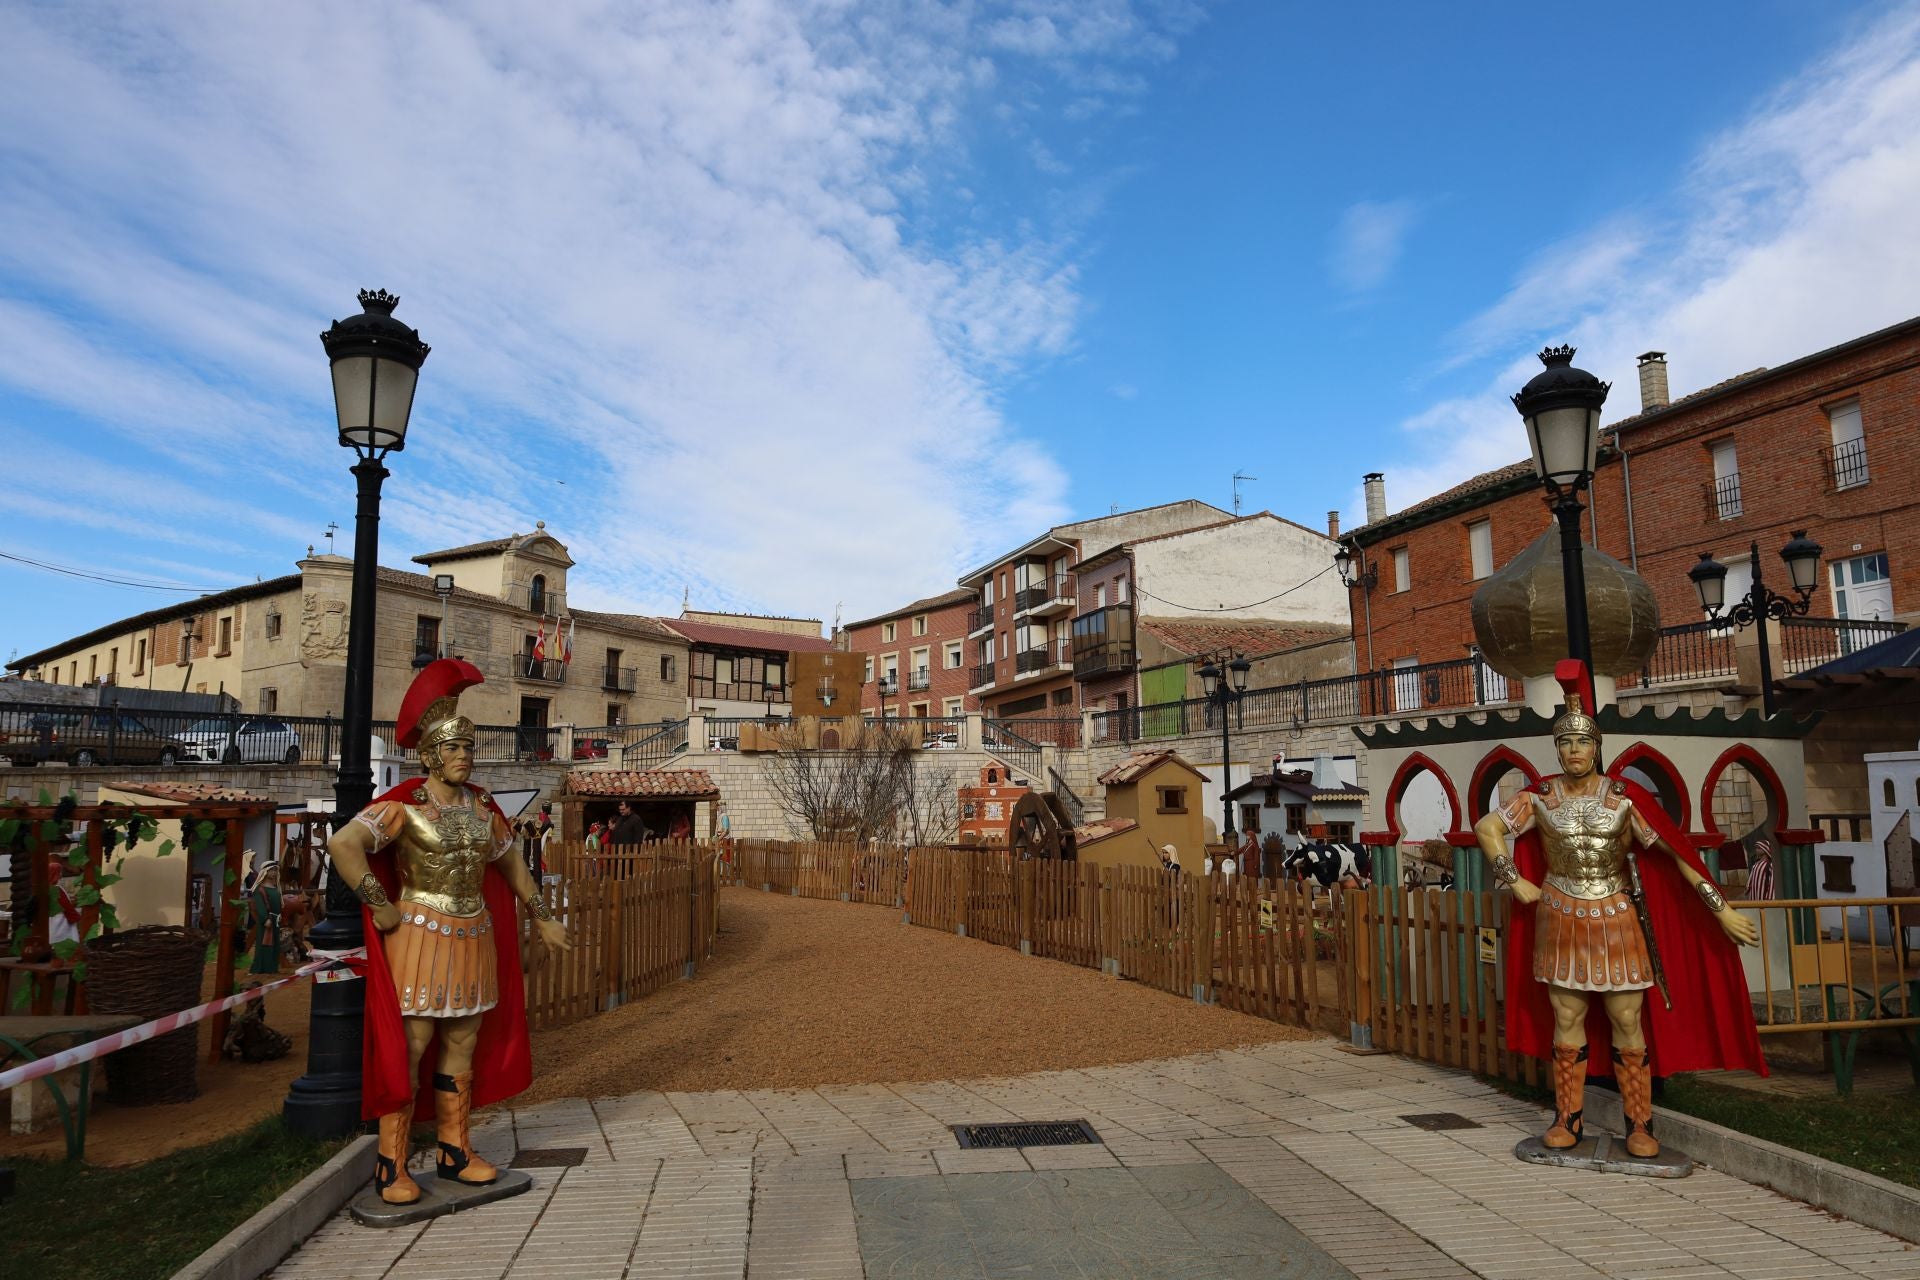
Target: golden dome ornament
{"x": 1520, "y": 613}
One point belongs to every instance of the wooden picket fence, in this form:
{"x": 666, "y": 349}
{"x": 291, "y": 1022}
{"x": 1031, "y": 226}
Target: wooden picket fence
{"x": 637, "y": 921}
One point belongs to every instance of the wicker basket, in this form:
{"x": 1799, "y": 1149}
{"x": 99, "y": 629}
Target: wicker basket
{"x": 147, "y": 972}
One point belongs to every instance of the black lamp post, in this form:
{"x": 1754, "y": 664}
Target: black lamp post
{"x": 1802, "y": 555}
{"x": 1561, "y": 406}
{"x": 1224, "y": 678}
{"x": 376, "y": 362}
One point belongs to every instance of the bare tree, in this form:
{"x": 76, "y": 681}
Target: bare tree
{"x": 932, "y": 812}
{"x": 861, "y": 791}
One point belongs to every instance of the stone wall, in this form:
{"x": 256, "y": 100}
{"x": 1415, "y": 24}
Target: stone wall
{"x": 282, "y": 784}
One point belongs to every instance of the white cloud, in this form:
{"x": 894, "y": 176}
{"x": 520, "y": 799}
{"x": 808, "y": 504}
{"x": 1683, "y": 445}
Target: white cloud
{"x": 1789, "y": 232}
{"x": 660, "y": 252}
{"x": 1368, "y": 241}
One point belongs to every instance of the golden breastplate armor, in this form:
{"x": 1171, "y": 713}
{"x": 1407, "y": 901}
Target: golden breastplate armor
{"x": 1585, "y": 843}
{"x": 443, "y": 855}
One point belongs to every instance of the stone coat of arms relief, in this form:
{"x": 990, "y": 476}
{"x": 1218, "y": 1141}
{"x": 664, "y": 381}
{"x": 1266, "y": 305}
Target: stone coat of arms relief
{"x": 323, "y": 627}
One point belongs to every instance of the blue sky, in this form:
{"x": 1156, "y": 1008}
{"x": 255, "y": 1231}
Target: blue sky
{"x": 801, "y": 305}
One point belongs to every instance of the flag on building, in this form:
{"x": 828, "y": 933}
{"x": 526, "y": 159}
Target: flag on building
{"x": 539, "y": 653}
{"x": 566, "y": 641}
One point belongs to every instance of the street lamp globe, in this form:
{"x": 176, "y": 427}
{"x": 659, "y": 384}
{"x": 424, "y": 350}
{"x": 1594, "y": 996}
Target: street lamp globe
{"x": 1710, "y": 580}
{"x": 1802, "y": 555}
{"x": 1210, "y": 678}
{"x": 1343, "y": 563}
{"x": 376, "y": 362}
{"x": 1240, "y": 667}
{"x": 1561, "y": 406}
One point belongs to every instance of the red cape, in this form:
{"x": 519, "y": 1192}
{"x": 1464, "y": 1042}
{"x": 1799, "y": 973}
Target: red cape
{"x": 1711, "y": 1023}
{"x": 503, "y": 1060}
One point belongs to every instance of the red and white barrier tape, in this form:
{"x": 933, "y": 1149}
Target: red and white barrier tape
{"x": 325, "y": 962}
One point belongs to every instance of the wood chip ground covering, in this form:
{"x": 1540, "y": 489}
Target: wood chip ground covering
{"x": 804, "y": 993}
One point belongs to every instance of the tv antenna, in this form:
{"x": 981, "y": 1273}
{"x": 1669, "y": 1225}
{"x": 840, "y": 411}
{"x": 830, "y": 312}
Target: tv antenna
{"x": 1238, "y": 476}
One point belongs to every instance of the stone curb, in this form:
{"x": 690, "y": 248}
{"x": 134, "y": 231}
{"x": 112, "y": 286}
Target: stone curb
{"x": 258, "y": 1244}
{"x": 1860, "y": 1197}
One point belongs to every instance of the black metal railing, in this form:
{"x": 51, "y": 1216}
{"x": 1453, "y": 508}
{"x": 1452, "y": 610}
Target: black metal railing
{"x": 1058, "y": 589}
{"x": 1058, "y": 731}
{"x": 619, "y": 679}
{"x": 1726, "y": 497}
{"x": 1691, "y": 651}
{"x": 920, "y": 679}
{"x": 1849, "y": 462}
{"x": 1806, "y": 643}
{"x": 1107, "y": 660}
{"x": 979, "y": 618}
{"x": 548, "y": 670}
{"x": 980, "y": 676}
{"x": 1044, "y": 657}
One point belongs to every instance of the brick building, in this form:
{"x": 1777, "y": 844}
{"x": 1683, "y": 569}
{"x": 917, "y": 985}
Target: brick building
{"x": 1823, "y": 443}
{"x": 919, "y": 657}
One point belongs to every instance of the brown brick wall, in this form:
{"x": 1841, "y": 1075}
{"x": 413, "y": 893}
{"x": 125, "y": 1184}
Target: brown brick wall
{"x": 943, "y": 625}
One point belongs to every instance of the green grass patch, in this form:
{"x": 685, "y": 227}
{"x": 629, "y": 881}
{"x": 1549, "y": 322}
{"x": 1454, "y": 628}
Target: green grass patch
{"x": 1877, "y": 1133}
{"x": 67, "y": 1219}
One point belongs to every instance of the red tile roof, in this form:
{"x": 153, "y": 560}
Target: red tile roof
{"x": 684, "y": 784}
{"x": 1139, "y": 764}
{"x": 945, "y": 600}
{"x": 714, "y": 633}
{"x": 1103, "y": 829}
{"x": 1253, "y": 638}
{"x": 192, "y": 792}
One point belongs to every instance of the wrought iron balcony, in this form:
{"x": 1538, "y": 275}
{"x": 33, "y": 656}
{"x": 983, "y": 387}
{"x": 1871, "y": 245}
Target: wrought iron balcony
{"x": 1849, "y": 462}
{"x": 979, "y": 619}
{"x": 546, "y": 670}
{"x": 1048, "y": 596}
{"x": 1726, "y": 497}
{"x": 981, "y": 676}
{"x": 1108, "y": 660}
{"x": 920, "y": 679}
{"x": 618, "y": 679}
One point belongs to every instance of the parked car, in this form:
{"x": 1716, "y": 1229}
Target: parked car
{"x": 592, "y": 748}
{"x": 941, "y": 742}
{"x": 231, "y": 740}
{"x": 88, "y": 737}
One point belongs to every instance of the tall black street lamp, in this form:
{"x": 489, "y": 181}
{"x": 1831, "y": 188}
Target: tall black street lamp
{"x": 1224, "y": 678}
{"x": 1366, "y": 577}
{"x": 1802, "y": 555}
{"x": 376, "y": 362}
{"x": 1562, "y": 410}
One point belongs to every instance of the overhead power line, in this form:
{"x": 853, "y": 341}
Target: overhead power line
{"x": 1231, "y": 608}
{"x": 110, "y": 579}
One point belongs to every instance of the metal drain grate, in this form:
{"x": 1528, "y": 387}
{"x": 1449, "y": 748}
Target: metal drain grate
{"x": 1437, "y": 1120}
{"x": 549, "y": 1157}
{"x": 1027, "y": 1133}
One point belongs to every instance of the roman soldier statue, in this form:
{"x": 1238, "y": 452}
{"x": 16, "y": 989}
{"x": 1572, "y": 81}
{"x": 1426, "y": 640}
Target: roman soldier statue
{"x": 434, "y": 862}
{"x": 1594, "y": 926}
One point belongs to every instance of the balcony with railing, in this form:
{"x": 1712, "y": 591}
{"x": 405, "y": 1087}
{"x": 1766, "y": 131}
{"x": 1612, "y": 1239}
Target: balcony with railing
{"x": 619, "y": 679}
{"x": 1848, "y": 459}
{"x": 979, "y": 619}
{"x": 1048, "y": 596}
{"x": 1108, "y": 660}
{"x": 1044, "y": 658}
{"x": 1726, "y": 497}
{"x": 919, "y": 678}
{"x": 1806, "y": 643}
{"x": 980, "y": 677}
{"x": 888, "y": 684}
{"x": 545, "y": 670}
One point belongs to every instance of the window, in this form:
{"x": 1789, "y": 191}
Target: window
{"x": 113, "y": 662}
{"x": 1887, "y": 793}
{"x": 269, "y": 700}
{"x": 888, "y": 632}
{"x": 1119, "y": 590}
{"x": 537, "y": 594}
{"x": 1100, "y": 596}
{"x": 953, "y": 655}
{"x": 93, "y": 667}
{"x": 1172, "y": 799}
{"x": 1340, "y": 832}
{"x": 920, "y": 624}
{"x": 775, "y": 675}
{"x": 952, "y": 707}
{"x": 986, "y": 597}
{"x": 1003, "y": 644}
{"x": 613, "y": 715}
{"x": 73, "y": 672}
{"x": 666, "y": 668}
{"x": 1250, "y": 818}
{"x": 1296, "y": 819}
{"x": 1480, "y": 547}
{"x": 1726, "y": 481}
{"x": 186, "y": 644}
{"x": 1406, "y": 684}
{"x": 1862, "y": 592}
{"x": 140, "y": 657}
{"x": 1849, "y": 445}
{"x": 723, "y": 670}
{"x": 226, "y": 636}
{"x": 868, "y": 678}
{"x": 426, "y": 634}
{"x": 1063, "y": 697}
{"x": 273, "y": 623}
{"x": 1401, "y": 576}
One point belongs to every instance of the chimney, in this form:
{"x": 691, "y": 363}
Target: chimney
{"x": 1376, "y": 485}
{"x": 1326, "y": 775}
{"x": 1333, "y": 524}
{"x": 1653, "y": 381}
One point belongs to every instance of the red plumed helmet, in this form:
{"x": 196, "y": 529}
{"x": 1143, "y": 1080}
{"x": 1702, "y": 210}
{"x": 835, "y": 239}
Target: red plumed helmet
{"x": 440, "y": 681}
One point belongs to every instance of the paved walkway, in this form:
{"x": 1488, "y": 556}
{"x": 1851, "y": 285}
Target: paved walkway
{"x": 1286, "y": 1160}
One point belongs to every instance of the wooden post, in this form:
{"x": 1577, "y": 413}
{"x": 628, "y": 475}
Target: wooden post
{"x": 964, "y": 882}
{"x": 1202, "y": 916}
{"x": 223, "y": 984}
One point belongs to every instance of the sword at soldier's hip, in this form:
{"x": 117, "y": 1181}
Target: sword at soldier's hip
{"x": 1638, "y": 893}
